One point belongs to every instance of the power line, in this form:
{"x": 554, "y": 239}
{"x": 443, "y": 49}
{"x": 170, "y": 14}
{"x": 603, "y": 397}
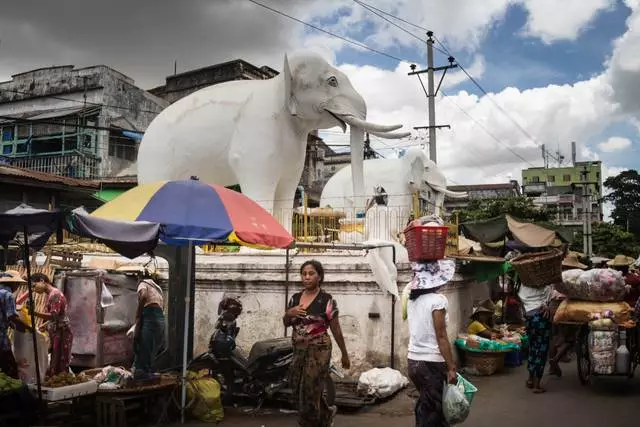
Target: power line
{"x": 495, "y": 138}
{"x": 494, "y": 102}
{"x": 380, "y": 13}
{"x": 353, "y": 42}
{"x": 446, "y": 51}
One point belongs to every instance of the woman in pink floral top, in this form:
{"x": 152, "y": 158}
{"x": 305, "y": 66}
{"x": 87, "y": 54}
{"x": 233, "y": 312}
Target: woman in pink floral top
{"x": 312, "y": 313}
{"x": 57, "y": 324}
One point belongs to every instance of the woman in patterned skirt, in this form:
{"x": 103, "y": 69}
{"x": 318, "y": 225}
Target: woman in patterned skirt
{"x": 535, "y": 302}
{"x": 312, "y": 313}
{"x": 57, "y": 324}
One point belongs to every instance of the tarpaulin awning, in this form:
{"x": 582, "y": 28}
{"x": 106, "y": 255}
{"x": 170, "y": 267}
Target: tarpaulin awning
{"x": 533, "y": 235}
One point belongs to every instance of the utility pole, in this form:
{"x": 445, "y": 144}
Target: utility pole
{"x": 431, "y": 91}
{"x": 587, "y": 243}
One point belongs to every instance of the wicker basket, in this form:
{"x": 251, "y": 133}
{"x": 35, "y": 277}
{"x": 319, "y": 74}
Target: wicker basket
{"x": 485, "y": 363}
{"x": 538, "y": 270}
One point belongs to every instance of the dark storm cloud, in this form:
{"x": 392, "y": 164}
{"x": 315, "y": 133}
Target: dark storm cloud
{"x": 142, "y": 38}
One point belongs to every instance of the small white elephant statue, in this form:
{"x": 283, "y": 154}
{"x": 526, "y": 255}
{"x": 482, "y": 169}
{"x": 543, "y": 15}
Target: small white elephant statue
{"x": 401, "y": 178}
{"x": 254, "y": 132}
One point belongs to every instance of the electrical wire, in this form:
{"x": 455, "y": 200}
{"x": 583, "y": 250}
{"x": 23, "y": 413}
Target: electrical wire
{"x": 315, "y": 27}
{"x": 443, "y": 49}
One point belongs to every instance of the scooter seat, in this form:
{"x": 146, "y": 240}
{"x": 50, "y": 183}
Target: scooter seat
{"x": 269, "y": 347}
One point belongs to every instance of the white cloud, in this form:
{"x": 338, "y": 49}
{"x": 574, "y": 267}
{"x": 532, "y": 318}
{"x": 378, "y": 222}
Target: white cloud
{"x": 553, "y": 20}
{"x": 615, "y": 143}
{"x": 483, "y": 144}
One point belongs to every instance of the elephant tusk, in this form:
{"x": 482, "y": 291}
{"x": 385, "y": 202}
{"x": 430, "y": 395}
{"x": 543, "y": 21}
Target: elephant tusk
{"x": 366, "y": 126}
{"x": 387, "y": 135}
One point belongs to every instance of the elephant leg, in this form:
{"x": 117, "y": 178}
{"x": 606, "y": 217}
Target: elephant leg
{"x": 283, "y": 205}
{"x": 258, "y": 188}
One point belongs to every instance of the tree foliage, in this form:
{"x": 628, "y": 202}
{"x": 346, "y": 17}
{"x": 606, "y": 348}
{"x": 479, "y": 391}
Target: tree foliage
{"x": 625, "y": 196}
{"x": 518, "y": 207}
{"x": 609, "y": 240}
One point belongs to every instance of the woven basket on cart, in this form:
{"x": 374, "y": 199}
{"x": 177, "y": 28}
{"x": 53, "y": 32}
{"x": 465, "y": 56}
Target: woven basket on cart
{"x": 484, "y": 363}
{"x": 538, "y": 270}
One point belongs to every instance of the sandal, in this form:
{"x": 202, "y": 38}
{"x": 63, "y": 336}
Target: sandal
{"x": 539, "y": 390}
{"x": 529, "y": 384}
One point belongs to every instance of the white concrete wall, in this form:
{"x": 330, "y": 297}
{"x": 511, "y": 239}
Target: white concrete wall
{"x": 259, "y": 281}
{"x": 348, "y": 279}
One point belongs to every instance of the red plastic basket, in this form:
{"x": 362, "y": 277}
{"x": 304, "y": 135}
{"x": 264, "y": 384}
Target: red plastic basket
{"x": 426, "y": 243}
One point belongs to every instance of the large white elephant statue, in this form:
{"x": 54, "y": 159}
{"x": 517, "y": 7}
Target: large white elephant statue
{"x": 401, "y": 178}
{"x": 254, "y": 132}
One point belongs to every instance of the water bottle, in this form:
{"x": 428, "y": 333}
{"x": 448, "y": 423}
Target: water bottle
{"x": 623, "y": 356}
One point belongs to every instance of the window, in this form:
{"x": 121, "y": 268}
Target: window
{"x": 7, "y": 133}
{"x": 122, "y": 148}
{"x": 535, "y": 179}
{"x": 7, "y": 149}
{"x": 551, "y": 178}
{"x": 566, "y": 178}
{"x": 597, "y": 175}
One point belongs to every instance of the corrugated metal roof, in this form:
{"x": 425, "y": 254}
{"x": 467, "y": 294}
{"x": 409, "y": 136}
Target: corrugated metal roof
{"x": 11, "y": 171}
{"x": 46, "y": 114}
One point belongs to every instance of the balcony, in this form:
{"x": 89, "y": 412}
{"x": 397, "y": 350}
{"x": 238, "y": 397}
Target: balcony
{"x": 535, "y": 188}
{"x": 72, "y": 165}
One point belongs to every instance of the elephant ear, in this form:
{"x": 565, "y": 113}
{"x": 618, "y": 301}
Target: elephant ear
{"x": 289, "y": 99}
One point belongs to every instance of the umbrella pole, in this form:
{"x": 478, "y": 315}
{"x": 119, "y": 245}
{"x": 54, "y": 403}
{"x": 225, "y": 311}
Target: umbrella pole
{"x": 187, "y": 304}
{"x": 32, "y": 310}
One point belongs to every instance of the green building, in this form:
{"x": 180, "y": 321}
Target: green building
{"x": 560, "y": 190}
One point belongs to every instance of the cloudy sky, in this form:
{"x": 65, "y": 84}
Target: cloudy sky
{"x": 555, "y": 71}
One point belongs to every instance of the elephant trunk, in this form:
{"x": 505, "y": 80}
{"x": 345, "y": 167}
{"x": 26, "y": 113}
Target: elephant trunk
{"x": 357, "y": 167}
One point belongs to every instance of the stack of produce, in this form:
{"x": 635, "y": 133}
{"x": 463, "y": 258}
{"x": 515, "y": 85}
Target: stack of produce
{"x": 8, "y": 384}
{"x": 590, "y": 293}
{"x": 603, "y": 341}
{"x": 598, "y": 284}
{"x": 64, "y": 379}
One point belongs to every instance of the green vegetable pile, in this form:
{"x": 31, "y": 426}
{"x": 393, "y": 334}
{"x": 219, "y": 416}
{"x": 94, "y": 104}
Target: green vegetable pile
{"x": 8, "y": 384}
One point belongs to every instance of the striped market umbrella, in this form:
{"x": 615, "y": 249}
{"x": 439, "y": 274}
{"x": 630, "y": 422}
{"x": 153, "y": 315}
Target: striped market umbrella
{"x": 192, "y": 211}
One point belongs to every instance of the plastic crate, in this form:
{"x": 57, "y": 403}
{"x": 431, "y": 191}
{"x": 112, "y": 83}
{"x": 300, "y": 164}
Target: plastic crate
{"x": 425, "y": 243}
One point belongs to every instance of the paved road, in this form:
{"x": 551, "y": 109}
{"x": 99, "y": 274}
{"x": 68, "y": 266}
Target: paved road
{"x": 501, "y": 401}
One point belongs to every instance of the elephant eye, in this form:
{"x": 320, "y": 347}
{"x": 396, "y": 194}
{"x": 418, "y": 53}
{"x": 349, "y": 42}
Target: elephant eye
{"x": 332, "y": 81}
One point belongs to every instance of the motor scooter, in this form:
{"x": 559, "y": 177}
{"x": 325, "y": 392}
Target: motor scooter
{"x": 261, "y": 376}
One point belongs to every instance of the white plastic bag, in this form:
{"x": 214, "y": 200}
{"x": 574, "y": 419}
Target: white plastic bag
{"x": 25, "y": 357}
{"x": 106, "y": 298}
{"x": 384, "y": 270}
{"x": 382, "y": 383}
{"x": 455, "y": 405}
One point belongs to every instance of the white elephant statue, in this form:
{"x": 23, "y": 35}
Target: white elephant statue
{"x": 401, "y": 178}
{"x": 254, "y": 132}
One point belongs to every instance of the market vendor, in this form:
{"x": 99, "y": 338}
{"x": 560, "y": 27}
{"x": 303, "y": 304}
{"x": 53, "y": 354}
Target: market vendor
{"x": 149, "y": 334}
{"x": 56, "y": 324}
{"x": 482, "y": 321}
{"x": 623, "y": 264}
{"x": 9, "y": 282}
